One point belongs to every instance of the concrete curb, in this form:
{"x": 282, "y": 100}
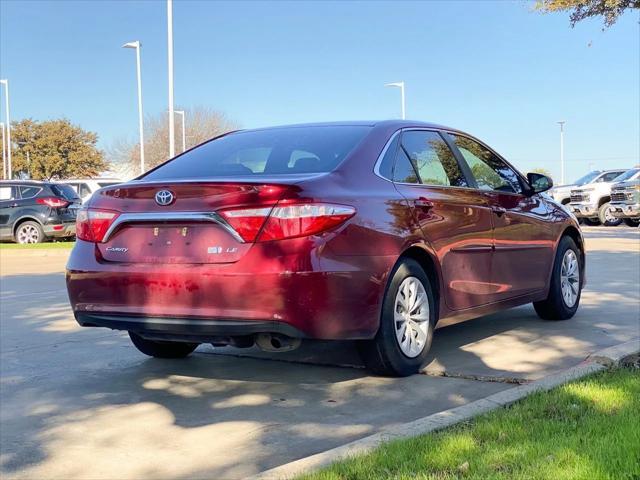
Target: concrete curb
{"x": 600, "y": 360}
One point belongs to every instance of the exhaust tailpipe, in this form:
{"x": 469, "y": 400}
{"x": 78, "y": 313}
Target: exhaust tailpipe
{"x": 274, "y": 342}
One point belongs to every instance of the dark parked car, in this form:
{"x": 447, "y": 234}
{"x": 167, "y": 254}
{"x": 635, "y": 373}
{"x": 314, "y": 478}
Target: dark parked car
{"x": 32, "y": 212}
{"x": 376, "y": 232}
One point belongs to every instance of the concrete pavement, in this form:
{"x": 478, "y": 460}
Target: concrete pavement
{"x": 80, "y": 403}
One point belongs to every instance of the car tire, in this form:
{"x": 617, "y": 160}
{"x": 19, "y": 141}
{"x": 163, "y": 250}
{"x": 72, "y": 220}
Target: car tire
{"x": 591, "y": 222}
{"x": 401, "y": 345}
{"x": 29, "y": 232}
{"x": 632, "y": 222}
{"x": 163, "y": 349}
{"x": 607, "y": 220}
{"x": 559, "y": 305}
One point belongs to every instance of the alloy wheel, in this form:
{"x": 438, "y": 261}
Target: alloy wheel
{"x": 411, "y": 317}
{"x": 28, "y": 234}
{"x": 570, "y": 278}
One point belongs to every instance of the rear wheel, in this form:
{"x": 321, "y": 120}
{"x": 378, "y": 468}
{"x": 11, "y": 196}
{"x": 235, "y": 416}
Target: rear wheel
{"x": 162, "y": 349}
{"x": 606, "y": 217}
{"x": 566, "y": 284}
{"x": 29, "y": 232}
{"x": 591, "y": 222}
{"x": 408, "y": 316}
{"x": 632, "y": 222}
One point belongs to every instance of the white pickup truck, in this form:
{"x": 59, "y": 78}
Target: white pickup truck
{"x": 591, "y": 201}
{"x": 562, "y": 193}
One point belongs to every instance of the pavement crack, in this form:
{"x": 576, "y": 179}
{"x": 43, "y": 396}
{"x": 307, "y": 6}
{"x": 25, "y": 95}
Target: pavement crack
{"x": 479, "y": 378}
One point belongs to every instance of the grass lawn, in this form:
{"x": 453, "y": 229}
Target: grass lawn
{"x": 35, "y": 246}
{"x": 588, "y": 429}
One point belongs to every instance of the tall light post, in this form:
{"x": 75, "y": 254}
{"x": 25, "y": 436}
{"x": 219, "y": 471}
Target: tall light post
{"x": 5, "y": 82}
{"x": 184, "y": 136}
{"x": 4, "y": 155}
{"x": 172, "y": 147}
{"x": 561, "y": 123}
{"x": 400, "y": 85}
{"x": 136, "y": 45}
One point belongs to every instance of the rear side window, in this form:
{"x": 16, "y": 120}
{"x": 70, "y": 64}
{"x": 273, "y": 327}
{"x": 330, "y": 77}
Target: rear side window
{"x": 432, "y": 158}
{"x": 29, "y": 191}
{"x": 64, "y": 191}
{"x": 281, "y": 151}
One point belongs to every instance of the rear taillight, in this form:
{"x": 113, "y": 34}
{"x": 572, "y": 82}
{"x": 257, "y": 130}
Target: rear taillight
{"x": 53, "y": 202}
{"x": 92, "y": 224}
{"x": 286, "y": 220}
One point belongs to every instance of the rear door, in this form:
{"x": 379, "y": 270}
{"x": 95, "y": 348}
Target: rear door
{"x": 523, "y": 239}
{"x": 455, "y": 219}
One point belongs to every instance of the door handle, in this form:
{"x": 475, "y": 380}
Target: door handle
{"x": 423, "y": 203}
{"x": 499, "y": 211}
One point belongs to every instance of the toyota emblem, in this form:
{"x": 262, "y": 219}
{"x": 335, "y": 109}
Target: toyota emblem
{"x": 164, "y": 197}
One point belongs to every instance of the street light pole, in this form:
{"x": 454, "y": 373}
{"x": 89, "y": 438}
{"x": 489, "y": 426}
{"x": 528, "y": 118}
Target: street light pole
{"x": 137, "y": 46}
{"x": 184, "y": 136}
{"x": 5, "y": 82}
{"x": 4, "y": 155}
{"x": 561, "y": 123}
{"x": 172, "y": 148}
{"x": 400, "y": 85}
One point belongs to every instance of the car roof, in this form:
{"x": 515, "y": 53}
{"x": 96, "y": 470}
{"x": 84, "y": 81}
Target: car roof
{"x": 363, "y": 123}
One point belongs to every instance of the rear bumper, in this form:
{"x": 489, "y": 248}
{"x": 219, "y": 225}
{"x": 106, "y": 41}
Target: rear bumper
{"x": 299, "y": 295}
{"x": 201, "y": 330}
{"x": 60, "y": 230}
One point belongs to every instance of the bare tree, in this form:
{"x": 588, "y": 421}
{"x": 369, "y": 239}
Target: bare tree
{"x": 201, "y": 124}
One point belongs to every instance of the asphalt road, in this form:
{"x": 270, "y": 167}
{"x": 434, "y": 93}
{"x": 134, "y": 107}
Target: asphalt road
{"x": 82, "y": 403}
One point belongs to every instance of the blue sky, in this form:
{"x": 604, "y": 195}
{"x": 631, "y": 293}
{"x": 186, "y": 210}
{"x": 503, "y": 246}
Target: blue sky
{"x": 493, "y": 68}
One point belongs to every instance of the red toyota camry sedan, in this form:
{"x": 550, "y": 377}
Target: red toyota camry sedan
{"x": 372, "y": 231}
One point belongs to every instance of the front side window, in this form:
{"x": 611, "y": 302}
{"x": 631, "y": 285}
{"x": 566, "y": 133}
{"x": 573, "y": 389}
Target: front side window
{"x": 489, "y": 171}
{"x": 83, "y": 190}
{"x": 609, "y": 176}
{"x": 432, "y": 159}
{"x": 8, "y": 193}
{"x": 278, "y": 151}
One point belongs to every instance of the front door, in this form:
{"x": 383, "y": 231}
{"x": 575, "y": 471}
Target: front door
{"x": 455, "y": 219}
{"x": 523, "y": 243}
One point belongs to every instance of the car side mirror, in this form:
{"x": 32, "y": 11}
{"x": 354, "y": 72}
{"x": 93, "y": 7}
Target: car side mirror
{"x": 539, "y": 182}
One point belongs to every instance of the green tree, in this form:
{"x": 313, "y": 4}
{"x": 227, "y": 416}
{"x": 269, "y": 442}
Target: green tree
{"x": 610, "y": 10}
{"x": 54, "y": 149}
{"x": 543, "y": 171}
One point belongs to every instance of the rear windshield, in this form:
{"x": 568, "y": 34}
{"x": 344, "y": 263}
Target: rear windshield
{"x": 65, "y": 191}
{"x": 276, "y": 151}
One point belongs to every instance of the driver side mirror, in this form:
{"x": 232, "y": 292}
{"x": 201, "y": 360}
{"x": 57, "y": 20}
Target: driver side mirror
{"x": 539, "y": 182}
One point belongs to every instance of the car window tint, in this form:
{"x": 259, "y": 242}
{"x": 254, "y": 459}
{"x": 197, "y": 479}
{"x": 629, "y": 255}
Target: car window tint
{"x": 489, "y": 171}
{"x": 83, "y": 190}
{"x": 403, "y": 171}
{"x": 8, "y": 193}
{"x": 434, "y": 161}
{"x": 29, "y": 191}
{"x": 385, "y": 169}
{"x": 270, "y": 151}
{"x": 65, "y": 191}
{"x": 607, "y": 177}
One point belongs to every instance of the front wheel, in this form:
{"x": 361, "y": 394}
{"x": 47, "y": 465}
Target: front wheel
{"x": 408, "y": 316}
{"x": 566, "y": 284}
{"x": 606, "y": 217}
{"x": 632, "y": 222}
{"x": 160, "y": 349}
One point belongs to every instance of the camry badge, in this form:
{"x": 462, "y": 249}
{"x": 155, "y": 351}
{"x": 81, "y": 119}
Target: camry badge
{"x": 117, "y": 249}
{"x": 164, "y": 197}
